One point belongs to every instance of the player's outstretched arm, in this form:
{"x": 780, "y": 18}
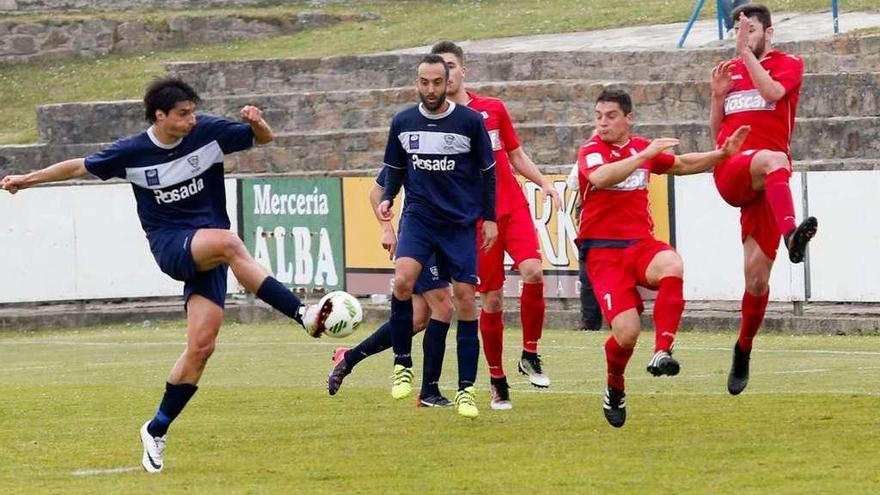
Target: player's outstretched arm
{"x": 695, "y": 163}
{"x": 254, "y": 117}
{"x": 523, "y": 164}
{"x": 68, "y": 169}
{"x": 613, "y": 173}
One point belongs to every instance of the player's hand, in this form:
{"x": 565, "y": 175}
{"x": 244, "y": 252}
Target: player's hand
{"x": 13, "y": 183}
{"x": 251, "y": 114}
{"x": 742, "y": 35}
{"x": 735, "y": 141}
{"x": 550, "y": 192}
{"x": 490, "y": 234}
{"x": 658, "y": 146}
{"x": 383, "y": 211}
{"x": 721, "y": 78}
{"x": 389, "y": 240}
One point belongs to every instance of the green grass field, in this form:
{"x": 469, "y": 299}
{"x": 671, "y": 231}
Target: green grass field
{"x": 263, "y": 423}
{"x": 401, "y": 24}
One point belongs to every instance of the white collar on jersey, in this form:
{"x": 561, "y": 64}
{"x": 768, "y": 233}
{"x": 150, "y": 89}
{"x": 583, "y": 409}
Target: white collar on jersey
{"x": 152, "y": 135}
{"x": 436, "y": 116}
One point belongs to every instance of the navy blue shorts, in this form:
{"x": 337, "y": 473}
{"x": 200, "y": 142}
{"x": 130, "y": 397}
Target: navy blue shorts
{"x": 455, "y": 247}
{"x": 433, "y": 276}
{"x": 172, "y": 250}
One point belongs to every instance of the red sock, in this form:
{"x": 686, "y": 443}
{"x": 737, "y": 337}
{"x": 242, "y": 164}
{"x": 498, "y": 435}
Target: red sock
{"x": 667, "y": 312}
{"x": 492, "y": 333}
{"x": 531, "y": 312}
{"x": 753, "y": 308}
{"x": 779, "y": 196}
{"x": 617, "y": 357}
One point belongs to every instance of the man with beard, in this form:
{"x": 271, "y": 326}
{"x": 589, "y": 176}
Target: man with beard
{"x": 441, "y": 153}
{"x": 759, "y": 88}
{"x": 516, "y": 236}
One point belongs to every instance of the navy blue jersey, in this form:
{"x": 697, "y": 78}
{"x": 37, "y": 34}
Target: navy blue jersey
{"x": 444, "y": 156}
{"x": 179, "y": 185}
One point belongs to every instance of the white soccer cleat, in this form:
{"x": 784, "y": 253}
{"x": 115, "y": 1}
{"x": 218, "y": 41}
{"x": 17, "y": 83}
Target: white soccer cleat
{"x": 530, "y": 365}
{"x": 154, "y": 448}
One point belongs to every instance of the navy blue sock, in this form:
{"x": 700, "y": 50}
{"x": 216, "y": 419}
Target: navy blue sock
{"x": 377, "y": 342}
{"x": 434, "y": 348}
{"x": 279, "y": 297}
{"x": 468, "y": 353}
{"x": 174, "y": 400}
{"x": 401, "y": 331}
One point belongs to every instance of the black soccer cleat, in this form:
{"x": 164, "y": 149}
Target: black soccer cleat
{"x": 500, "y": 392}
{"x": 615, "y": 407}
{"x": 340, "y": 370}
{"x": 434, "y": 400}
{"x": 663, "y": 364}
{"x": 796, "y": 241}
{"x": 739, "y": 371}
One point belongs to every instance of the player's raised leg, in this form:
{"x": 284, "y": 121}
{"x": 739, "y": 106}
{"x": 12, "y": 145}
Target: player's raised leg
{"x": 214, "y": 247}
{"x": 665, "y": 274}
{"x": 771, "y": 173}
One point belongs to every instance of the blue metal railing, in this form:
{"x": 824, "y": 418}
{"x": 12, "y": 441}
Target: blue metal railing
{"x": 699, "y": 6}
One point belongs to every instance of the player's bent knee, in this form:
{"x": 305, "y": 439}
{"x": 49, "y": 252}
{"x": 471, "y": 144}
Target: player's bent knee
{"x": 201, "y": 352}
{"x": 531, "y": 272}
{"x": 757, "y": 285}
{"x": 492, "y": 302}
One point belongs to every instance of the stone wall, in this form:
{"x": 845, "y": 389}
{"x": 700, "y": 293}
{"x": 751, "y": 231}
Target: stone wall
{"x": 548, "y": 102}
{"x": 25, "y": 42}
{"x": 31, "y": 6}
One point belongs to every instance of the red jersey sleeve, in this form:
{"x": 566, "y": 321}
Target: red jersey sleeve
{"x": 506, "y": 130}
{"x": 788, "y": 72}
{"x": 661, "y": 163}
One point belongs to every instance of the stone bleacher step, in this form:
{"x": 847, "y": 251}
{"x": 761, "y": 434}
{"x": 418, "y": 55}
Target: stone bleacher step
{"x": 544, "y": 101}
{"x": 836, "y": 55}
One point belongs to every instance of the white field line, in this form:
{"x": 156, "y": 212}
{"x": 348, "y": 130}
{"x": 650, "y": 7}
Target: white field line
{"x": 97, "y": 472}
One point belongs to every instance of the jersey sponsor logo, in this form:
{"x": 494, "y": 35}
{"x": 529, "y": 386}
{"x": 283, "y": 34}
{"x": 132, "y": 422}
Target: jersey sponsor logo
{"x": 176, "y": 194}
{"x": 152, "y": 176}
{"x": 444, "y": 164}
{"x": 495, "y": 137}
{"x": 636, "y": 180}
{"x": 746, "y": 101}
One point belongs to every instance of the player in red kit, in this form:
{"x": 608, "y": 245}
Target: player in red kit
{"x": 516, "y": 236}
{"x": 759, "y": 88}
{"x": 616, "y": 230}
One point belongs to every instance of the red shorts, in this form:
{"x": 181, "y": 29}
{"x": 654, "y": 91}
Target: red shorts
{"x": 733, "y": 179}
{"x": 517, "y": 236}
{"x": 615, "y": 273}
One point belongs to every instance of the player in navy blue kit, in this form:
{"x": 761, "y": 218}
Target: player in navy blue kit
{"x": 175, "y": 168}
{"x": 432, "y": 311}
{"x": 441, "y": 153}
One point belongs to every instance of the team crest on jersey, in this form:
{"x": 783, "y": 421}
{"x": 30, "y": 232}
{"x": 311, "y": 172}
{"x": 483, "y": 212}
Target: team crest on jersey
{"x": 450, "y": 140}
{"x": 152, "y": 176}
{"x": 435, "y": 272}
{"x": 193, "y": 162}
{"x": 413, "y": 141}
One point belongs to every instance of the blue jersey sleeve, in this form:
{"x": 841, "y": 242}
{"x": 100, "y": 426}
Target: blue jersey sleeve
{"x": 383, "y": 175}
{"x": 231, "y": 136}
{"x": 395, "y": 155}
{"x": 109, "y": 162}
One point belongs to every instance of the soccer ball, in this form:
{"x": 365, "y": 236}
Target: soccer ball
{"x": 337, "y": 314}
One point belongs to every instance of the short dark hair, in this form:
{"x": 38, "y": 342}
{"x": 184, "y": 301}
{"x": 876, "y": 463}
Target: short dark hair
{"x": 164, "y": 93}
{"x": 617, "y": 96}
{"x": 753, "y": 10}
{"x": 447, "y": 46}
{"x": 433, "y": 58}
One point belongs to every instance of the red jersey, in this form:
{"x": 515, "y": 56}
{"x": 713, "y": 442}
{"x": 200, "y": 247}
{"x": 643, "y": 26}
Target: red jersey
{"x": 619, "y": 212}
{"x": 508, "y": 193}
{"x": 772, "y": 123}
